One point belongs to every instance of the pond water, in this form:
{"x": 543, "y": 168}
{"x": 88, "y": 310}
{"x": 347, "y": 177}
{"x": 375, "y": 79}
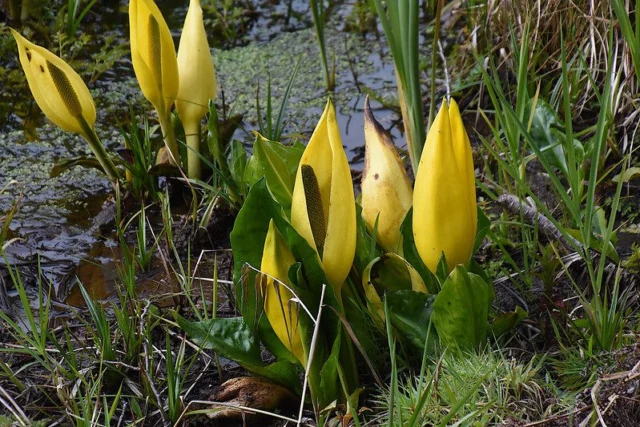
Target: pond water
{"x": 54, "y": 222}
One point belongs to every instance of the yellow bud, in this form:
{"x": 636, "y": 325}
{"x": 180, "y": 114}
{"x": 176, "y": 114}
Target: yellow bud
{"x": 197, "y": 82}
{"x": 57, "y": 88}
{"x": 444, "y": 199}
{"x": 386, "y": 189}
{"x": 323, "y": 206}
{"x": 282, "y": 314}
{"x": 153, "y": 54}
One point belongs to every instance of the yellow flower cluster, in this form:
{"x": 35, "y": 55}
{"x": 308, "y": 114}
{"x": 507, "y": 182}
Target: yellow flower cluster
{"x": 189, "y": 79}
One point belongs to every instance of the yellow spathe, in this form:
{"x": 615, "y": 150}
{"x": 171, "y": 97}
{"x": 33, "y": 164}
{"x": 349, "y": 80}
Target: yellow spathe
{"x": 386, "y": 189}
{"x": 197, "y": 82}
{"x": 153, "y": 54}
{"x": 57, "y": 88}
{"x": 444, "y": 198}
{"x": 282, "y": 314}
{"x": 323, "y": 206}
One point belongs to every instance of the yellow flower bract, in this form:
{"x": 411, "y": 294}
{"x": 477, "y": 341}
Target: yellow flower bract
{"x": 153, "y": 54}
{"x": 444, "y": 199}
{"x": 282, "y": 315}
{"x": 57, "y": 88}
{"x": 325, "y": 158}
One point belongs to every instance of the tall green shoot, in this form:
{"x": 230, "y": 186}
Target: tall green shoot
{"x": 630, "y": 33}
{"x": 400, "y": 24}
{"x": 74, "y": 15}
{"x": 317, "y": 10}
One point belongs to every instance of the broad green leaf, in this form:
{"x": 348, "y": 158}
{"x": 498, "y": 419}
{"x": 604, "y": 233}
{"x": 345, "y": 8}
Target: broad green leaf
{"x": 460, "y": 310}
{"x": 364, "y": 243}
{"x": 484, "y": 225}
{"x": 232, "y": 338}
{"x": 65, "y": 165}
{"x": 410, "y": 254}
{"x": 278, "y": 163}
{"x": 507, "y": 321}
{"x": 410, "y": 314}
{"x": 238, "y": 162}
{"x": 390, "y": 272}
{"x": 329, "y": 385}
{"x": 546, "y": 135}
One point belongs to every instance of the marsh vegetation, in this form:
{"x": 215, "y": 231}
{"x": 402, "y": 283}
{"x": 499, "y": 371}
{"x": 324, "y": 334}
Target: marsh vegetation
{"x": 338, "y": 212}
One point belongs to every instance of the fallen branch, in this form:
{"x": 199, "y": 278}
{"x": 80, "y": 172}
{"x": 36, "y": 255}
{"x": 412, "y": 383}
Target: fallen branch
{"x": 515, "y": 205}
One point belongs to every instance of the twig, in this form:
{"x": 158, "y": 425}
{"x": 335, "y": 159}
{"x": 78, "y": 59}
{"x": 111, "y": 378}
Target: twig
{"x": 243, "y": 409}
{"x": 447, "y": 82}
{"x": 314, "y": 339}
{"x": 594, "y": 399}
{"x": 556, "y": 418}
{"x": 14, "y": 408}
{"x": 515, "y": 205}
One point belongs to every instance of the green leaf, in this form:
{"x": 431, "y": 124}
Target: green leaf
{"x": 410, "y": 253}
{"x": 247, "y": 240}
{"x": 410, "y": 313}
{"x": 547, "y": 137}
{"x": 65, "y": 165}
{"x": 238, "y": 162}
{"x": 627, "y": 175}
{"x": 234, "y": 339}
{"x": 364, "y": 242}
{"x": 390, "y": 272}
{"x": 484, "y": 225}
{"x": 329, "y": 382}
{"x": 460, "y": 310}
{"x": 596, "y": 243}
{"x": 507, "y": 321}
{"x": 278, "y": 163}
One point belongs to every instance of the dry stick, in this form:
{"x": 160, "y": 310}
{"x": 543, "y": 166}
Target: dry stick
{"x": 243, "y": 409}
{"x": 515, "y": 205}
{"x": 314, "y": 339}
{"x": 13, "y": 407}
{"x": 556, "y": 418}
{"x": 447, "y": 82}
{"x": 596, "y": 407}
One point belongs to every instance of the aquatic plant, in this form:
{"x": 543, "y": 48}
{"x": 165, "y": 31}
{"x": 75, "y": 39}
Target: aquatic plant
{"x": 444, "y": 201}
{"x": 302, "y": 267}
{"x": 154, "y": 61}
{"x": 197, "y": 83}
{"x": 387, "y": 194}
{"x": 400, "y": 23}
{"x": 323, "y": 207}
{"x": 62, "y": 96}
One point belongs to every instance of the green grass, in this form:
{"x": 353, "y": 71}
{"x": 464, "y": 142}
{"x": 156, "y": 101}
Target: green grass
{"x": 486, "y": 388}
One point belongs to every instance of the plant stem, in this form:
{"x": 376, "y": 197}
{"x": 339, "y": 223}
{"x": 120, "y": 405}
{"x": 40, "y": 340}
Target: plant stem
{"x": 27, "y": 7}
{"x": 14, "y": 10}
{"x": 193, "y": 150}
{"x": 169, "y": 136}
{"x": 90, "y": 136}
{"x": 318, "y": 21}
{"x": 434, "y": 61}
